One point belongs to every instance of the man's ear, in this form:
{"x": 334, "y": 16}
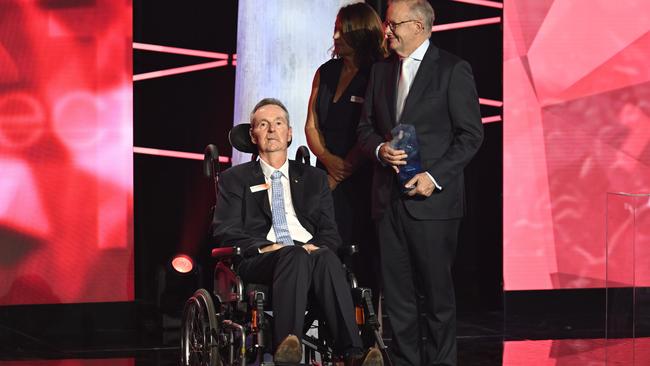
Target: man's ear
{"x": 421, "y": 27}
{"x": 250, "y": 133}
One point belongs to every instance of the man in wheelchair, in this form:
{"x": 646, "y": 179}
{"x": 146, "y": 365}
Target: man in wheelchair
{"x": 280, "y": 213}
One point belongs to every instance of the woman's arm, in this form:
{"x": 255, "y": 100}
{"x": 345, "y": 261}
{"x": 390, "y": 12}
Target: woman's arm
{"x": 336, "y": 167}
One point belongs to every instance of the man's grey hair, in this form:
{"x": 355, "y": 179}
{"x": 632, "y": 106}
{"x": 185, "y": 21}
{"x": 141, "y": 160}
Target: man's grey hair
{"x": 270, "y": 101}
{"x": 421, "y": 9}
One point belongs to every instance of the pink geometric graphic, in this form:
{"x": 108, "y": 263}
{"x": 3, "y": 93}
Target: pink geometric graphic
{"x": 66, "y": 158}
{"x": 576, "y": 125}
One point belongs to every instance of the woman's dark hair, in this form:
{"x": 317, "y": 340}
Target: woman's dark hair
{"x": 362, "y": 30}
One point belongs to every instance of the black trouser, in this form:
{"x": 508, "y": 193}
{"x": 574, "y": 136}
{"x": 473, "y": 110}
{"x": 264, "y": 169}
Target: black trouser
{"x": 416, "y": 256}
{"x": 293, "y": 274}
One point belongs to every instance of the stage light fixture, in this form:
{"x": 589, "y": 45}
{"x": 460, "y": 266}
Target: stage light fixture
{"x": 178, "y": 278}
{"x": 182, "y": 263}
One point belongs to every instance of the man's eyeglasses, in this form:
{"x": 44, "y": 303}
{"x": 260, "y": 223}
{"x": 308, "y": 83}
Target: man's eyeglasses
{"x": 393, "y": 26}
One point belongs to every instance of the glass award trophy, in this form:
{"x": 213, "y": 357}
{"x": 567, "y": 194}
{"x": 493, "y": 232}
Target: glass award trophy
{"x": 404, "y": 138}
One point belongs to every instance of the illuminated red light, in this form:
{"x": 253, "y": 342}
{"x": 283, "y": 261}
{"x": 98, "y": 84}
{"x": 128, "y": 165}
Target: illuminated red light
{"x": 222, "y": 60}
{"x": 491, "y": 119}
{"x": 488, "y": 3}
{"x": 490, "y": 102}
{"x": 182, "y": 263}
{"x": 465, "y": 24}
{"x": 175, "y": 154}
{"x": 179, "y": 51}
{"x": 179, "y": 70}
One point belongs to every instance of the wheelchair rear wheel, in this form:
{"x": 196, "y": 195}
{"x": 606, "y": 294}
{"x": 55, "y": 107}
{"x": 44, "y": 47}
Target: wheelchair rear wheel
{"x": 199, "y": 332}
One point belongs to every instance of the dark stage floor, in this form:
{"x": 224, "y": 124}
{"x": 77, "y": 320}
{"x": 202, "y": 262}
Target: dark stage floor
{"x": 475, "y": 351}
{"x": 482, "y": 341}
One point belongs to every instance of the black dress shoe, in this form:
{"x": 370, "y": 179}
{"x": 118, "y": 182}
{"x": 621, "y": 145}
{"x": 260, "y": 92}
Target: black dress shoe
{"x": 289, "y": 351}
{"x": 373, "y": 358}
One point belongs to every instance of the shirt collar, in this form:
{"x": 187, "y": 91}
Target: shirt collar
{"x": 267, "y": 169}
{"x": 419, "y": 52}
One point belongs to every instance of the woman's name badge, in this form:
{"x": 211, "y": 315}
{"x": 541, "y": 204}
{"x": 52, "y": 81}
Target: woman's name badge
{"x": 259, "y": 187}
{"x": 355, "y": 99}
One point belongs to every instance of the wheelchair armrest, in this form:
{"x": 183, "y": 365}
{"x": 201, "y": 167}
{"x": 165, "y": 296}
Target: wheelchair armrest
{"x": 226, "y": 252}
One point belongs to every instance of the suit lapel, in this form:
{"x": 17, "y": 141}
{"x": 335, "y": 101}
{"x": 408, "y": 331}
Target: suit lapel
{"x": 422, "y": 79}
{"x": 297, "y": 187}
{"x": 393, "y": 79}
{"x": 261, "y": 197}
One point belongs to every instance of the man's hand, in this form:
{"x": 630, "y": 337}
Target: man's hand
{"x": 422, "y": 184}
{"x": 332, "y": 182}
{"x": 271, "y": 248}
{"x": 310, "y": 248}
{"x": 338, "y": 168}
{"x": 392, "y": 157}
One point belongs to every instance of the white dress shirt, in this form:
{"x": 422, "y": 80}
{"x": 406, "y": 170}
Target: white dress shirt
{"x": 410, "y": 65}
{"x": 297, "y": 231}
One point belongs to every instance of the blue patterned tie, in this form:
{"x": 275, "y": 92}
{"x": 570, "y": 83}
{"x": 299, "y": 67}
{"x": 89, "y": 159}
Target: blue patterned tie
{"x": 279, "y": 217}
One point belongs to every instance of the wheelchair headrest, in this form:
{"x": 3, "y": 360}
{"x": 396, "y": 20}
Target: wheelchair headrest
{"x": 240, "y": 138}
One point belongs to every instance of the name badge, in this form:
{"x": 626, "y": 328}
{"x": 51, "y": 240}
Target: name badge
{"x": 355, "y": 99}
{"x": 259, "y": 187}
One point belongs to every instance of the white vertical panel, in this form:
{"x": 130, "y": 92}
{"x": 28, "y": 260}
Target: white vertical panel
{"x": 280, "y": 44}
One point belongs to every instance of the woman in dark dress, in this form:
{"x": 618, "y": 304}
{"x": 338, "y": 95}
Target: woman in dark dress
{"x": 334, "y": 110}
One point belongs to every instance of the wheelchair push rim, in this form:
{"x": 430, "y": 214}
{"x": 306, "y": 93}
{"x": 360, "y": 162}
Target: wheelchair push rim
{"x": 199, "y": 333}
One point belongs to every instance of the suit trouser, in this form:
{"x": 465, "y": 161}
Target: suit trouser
{"x": 416, "y": 257}
{"x": 294, "y": 274}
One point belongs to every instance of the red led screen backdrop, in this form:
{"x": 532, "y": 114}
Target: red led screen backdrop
{"x": 576, "y": 125}
{"x": 66, "y": 158}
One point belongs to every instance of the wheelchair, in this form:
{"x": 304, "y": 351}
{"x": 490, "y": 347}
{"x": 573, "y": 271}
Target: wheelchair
{"x": 231, "y": 326}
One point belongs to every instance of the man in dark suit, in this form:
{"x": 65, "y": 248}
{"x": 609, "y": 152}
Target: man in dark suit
{"x": 434, "y": 91}
{"x": 280, "y": 213}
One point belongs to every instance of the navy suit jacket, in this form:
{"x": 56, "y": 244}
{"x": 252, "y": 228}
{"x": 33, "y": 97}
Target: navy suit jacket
{"x": 243, "y": 218}
{"x": 443, "y": 106}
